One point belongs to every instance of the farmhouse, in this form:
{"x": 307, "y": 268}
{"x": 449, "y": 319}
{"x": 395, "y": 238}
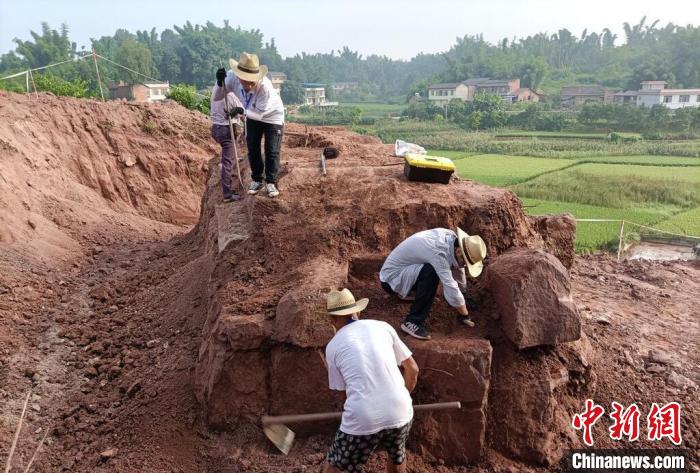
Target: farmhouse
{"x": 277, "y": 79}
{"x": 146, "y": 92}
{"x": 654, "y": 92}
{"x": 315, "y": 95}
{"x": 509, "y": 90}
{"x": 577, "y": 95}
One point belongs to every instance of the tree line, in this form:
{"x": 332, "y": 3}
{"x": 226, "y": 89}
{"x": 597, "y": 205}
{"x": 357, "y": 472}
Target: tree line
{"x": 189, "y": 54}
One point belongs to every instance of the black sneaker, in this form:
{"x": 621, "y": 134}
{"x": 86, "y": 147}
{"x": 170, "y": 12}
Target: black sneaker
{"x": 416, "y": 331}
{"x": 465, "y": 320}
{"x": 255, "y": 187}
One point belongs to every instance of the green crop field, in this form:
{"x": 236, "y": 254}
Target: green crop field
{"x": 558, "y": 134}
{"x": 659, "y": 191}
{"x": 593, "y": 235}
{"x": 499, "y": 170}
{"x": 619, "y": 186}
{"x": 375, "y": 110}
{"x": 686, "y": 223}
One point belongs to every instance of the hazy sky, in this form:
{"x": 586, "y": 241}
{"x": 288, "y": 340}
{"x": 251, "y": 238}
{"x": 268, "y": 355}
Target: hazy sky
{"x": 399, "y": 29}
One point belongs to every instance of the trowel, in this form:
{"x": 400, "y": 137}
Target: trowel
{"x": 283, "y": 437}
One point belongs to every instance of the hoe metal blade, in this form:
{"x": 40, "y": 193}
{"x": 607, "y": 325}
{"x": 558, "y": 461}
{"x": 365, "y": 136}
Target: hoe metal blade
{"x": 280, "y": 435}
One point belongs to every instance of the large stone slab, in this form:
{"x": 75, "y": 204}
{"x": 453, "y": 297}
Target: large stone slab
{"x": 532, "y": 291}
{"x": 452, "y": 370}
{"x": 299, "y": 383}
{"x": 301, "y": 318}
{"x": 240, "y": 389}
{"x": 529, "y": 412}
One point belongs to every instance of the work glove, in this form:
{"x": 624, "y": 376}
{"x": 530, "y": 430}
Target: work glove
{"x": 220, "y": 76}
{"x": 235, "y": 111}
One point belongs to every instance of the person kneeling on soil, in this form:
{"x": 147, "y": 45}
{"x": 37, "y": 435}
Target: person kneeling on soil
{"x": 421, "y": 262}
{"x": 363, "y": 360}
{"x": 264, "y": 116}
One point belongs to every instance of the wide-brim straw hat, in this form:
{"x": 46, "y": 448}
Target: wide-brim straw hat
{"x": 474, "y": 251}
{"x": 248, "y": 67}
{"x": 344, "y": 303}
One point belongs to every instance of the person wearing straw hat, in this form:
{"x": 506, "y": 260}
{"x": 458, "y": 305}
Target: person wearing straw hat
{"x": 423, "y": 260}
{"x": 264, "y": 117}
{"x": 363, "y": 359}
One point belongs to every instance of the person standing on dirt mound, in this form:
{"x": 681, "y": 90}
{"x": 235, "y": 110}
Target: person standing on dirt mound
{"x": 414, "y": 269}
{"x": 264, "y": 117}
{"x": 221, "y": 133}
{"x": 363, "y": 360}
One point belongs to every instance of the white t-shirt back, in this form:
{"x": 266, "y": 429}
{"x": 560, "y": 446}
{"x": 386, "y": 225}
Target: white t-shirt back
{"x": 363, "y": 360}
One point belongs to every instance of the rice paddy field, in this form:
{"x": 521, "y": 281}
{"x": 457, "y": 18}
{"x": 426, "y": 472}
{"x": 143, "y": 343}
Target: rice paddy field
{"x": 661, "y": 191}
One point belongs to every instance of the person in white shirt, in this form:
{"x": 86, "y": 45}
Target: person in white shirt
{"x": 363, "y": 360}
{"x": 221, "y": 133}
{"x": 423, "y": 260}
{"x": 264, "y": 116}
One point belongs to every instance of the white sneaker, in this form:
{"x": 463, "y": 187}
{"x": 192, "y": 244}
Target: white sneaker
{"x": 255, "y": 187}
{"x": 272, "y": 190}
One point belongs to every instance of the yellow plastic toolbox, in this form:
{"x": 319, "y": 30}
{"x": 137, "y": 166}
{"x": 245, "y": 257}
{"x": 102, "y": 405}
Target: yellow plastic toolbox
{"x": 421, "y": 167}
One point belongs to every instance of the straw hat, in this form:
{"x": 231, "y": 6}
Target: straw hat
{"x": 248, "y": 67}
{"x": 474, "y": 251}
{"x": 343, "y": 303}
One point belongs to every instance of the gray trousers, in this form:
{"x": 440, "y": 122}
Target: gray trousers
{"x": 222, "y": 135}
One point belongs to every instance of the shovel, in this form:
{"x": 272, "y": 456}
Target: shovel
{"x": 283, "y": 437}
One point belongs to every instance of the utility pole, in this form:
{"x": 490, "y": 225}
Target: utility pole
{"x": 97, "y": 69}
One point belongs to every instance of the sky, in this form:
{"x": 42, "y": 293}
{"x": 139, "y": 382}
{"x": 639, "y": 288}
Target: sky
{"x": 398, "y": 29}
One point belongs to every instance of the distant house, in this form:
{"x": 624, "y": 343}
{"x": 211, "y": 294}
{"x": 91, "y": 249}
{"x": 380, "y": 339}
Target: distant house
{"x": 315, "y": 95}
{"x": 627, "y": 96}
{"x": 577, "y": 95}
{"x": 277, "y": 79}
{"x": 654, "y": 92}
{"x": 441, "y": 94}
{"x": 342, "y": 86}
{"x": 146, "y": 92}
{"x": 509, "y": 90}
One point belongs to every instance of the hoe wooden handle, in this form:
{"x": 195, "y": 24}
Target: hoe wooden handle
{"x": 290, "y": 419}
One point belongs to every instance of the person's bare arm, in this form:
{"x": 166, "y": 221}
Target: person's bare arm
{"x": 410, "y": 373}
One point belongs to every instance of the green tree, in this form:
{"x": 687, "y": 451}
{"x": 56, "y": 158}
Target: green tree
{"x": 490, "y": 110}
{"x": 292, "y": 92}
{"x": 532, "y": 72}
{"x": 49, "y": 47}
{"x": 185, "y": 95}
{"x": 137, "y": 57}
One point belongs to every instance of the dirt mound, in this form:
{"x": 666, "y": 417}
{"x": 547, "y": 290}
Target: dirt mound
{"x": 71, "y": 165}
{"x": 281, "y": 256}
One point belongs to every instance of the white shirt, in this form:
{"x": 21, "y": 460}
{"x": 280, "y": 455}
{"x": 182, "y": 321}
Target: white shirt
{"x": 363, "y": 360}
{"x": 436, "y": 247}
{"x": 263, "y": 103}
{"x": 218, "y": 108}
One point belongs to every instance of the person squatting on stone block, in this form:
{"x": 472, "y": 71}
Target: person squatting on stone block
{"x": 418, "y": 264}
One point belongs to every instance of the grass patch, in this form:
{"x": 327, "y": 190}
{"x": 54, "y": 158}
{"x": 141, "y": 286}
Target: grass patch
{"x": 453, "y": 155}
{"x": 445, "y": 135}
{"x": 591, "y": 236}
{"x": 618, "y": 186}
{"x": 500, "y": 170}
{"x": 686, "y": 223}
